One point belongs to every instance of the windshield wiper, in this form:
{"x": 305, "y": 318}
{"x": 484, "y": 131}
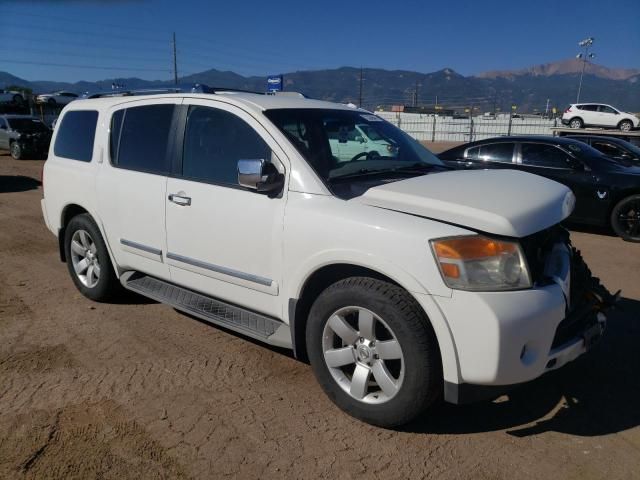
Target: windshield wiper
{"x": 413, "y": 168}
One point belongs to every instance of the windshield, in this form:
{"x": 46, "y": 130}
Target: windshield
{"x": 342, "y": 143}
{"x": 27, "y": 125}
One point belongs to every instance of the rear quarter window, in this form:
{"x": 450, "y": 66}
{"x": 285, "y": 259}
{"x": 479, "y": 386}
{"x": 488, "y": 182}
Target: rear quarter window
{"x": 76, "y": 134}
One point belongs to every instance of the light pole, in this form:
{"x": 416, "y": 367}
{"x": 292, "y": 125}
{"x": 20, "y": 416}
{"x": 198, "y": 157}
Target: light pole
{"x": 586, "y": 44}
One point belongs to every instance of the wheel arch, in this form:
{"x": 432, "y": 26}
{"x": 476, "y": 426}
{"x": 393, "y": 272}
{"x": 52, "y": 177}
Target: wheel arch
{"x": 72, "y": 210}
{"x": 326, "y": 275}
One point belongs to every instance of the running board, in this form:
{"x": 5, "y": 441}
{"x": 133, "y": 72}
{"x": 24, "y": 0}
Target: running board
{"x": 255, "y": 325}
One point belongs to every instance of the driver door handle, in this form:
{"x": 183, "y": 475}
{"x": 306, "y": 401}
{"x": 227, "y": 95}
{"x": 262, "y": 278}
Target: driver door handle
{"x": 180, "y": 200}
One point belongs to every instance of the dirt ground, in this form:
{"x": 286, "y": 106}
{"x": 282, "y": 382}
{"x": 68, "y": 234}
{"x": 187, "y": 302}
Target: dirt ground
{"x": 138, "y": 390}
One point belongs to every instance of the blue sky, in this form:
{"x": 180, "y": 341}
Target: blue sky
{"x": 70, "y": 40}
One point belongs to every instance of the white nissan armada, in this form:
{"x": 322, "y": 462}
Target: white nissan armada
{"x": 400, "y": 281}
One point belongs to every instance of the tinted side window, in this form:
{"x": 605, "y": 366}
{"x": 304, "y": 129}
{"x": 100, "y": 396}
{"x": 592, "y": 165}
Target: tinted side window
{"x": 589, "y": 108}
{"x": 214, "y": 141}
{"x": 472, "y": 153}
{"x": 497, "y": 152}
{"x": 540, "y": 155}
{"x": 76, "y": 134}
{"x": 144, "y": 138}
{"x": 114, "y": 138}
{"x": 608, "y": 149}
{"x": 606, "y": 109}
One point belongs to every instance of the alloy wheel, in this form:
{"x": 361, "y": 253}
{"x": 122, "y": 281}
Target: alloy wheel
{"x": 363, "y": 355}
{"x": 629, "y": 219}
{"x": 84, "y": 258}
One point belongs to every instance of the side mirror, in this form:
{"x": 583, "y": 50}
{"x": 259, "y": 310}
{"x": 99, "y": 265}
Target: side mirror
{"x": 259, "y": 175}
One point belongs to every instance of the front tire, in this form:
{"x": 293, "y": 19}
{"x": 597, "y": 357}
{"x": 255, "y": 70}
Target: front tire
{"x": 16, "y": 151}
{"x": 625, "y": 126}
{"x": 88, "y": 260}
{"x": 625, "y": 218}
{"x": 576, "y": 123}
{"x": 373, "y": 351}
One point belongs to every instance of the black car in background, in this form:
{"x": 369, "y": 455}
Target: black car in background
{"x": 612, "y": 147}
{"x": 607, "y": 190}
{"x": 24, "y": 135}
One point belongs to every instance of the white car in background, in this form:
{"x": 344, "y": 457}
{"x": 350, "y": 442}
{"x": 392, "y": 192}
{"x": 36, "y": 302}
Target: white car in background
{"x": 57, "y": 98}
{"x": 599, "y": 115}
{"x": 12, "y": 96}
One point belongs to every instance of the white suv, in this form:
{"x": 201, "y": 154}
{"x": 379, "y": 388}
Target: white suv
{"x": 399, "y": 280}
{"x": 599, "y": 115}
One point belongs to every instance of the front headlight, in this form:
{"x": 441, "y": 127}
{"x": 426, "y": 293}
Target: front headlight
{"x": 481, "y": 263}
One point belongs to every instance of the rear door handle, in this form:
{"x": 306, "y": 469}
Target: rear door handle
{"x": 180, "y": 200}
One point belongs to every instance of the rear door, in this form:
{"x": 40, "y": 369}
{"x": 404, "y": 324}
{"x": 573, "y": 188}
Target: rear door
{"x": 589, "y": 114}
{"x": 554, "y": 163}
{"x": 133, "y": 180}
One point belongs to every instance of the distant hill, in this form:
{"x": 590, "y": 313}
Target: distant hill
{"x": 528, "y": 88}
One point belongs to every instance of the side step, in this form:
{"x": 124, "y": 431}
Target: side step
{"x": 255, "y": 325}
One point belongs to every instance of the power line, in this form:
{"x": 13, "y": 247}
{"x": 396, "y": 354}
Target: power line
{"x": 92, "y": 67}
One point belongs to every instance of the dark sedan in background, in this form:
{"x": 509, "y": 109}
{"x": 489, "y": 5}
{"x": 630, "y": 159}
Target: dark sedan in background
{"x": 612, "y": 147}
{"x": 607, "y": 190}
{"x": 24, "y": 135}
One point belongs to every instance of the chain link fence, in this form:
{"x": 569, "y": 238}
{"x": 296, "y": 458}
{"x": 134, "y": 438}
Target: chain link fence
{"x": 435, "y": 128}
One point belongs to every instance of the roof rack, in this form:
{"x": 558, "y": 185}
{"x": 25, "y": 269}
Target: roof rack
{"x": 196, "y": 88}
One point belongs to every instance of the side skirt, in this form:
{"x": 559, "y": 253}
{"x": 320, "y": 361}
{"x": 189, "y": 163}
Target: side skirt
{"x": 254, "y": 325}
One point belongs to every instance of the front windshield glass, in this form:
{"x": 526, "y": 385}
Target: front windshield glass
{"x": 342, "y": 143}
{"x": 27, "y": 125}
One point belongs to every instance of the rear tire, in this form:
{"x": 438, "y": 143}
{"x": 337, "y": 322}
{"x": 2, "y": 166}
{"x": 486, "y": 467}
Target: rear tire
{"x": 625, "y": 126}
{"x": 576, "y": 123}
{"x": 16, "y": 151}
{"x": 384, "y": 366}
{"x": 625, "y": 218}
{"x": 88, "y": 260}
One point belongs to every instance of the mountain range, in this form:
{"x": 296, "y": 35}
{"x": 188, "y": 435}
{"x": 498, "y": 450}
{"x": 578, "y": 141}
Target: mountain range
{"x": 528, "y": 89}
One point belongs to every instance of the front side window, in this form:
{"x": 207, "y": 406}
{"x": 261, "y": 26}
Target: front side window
{"x": 606, "y": 109}
{"x": 76, "y": 134}
{"x": 333, "y": 143}
{"x": 140, "y": 138}
{"x": 214, "y": 141}
{"x": 541, "y": 155}
{"x": 608, "y": 149}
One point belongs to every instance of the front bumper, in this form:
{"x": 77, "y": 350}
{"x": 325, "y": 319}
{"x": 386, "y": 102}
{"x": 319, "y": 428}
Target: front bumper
{"x": 504, "y": 339}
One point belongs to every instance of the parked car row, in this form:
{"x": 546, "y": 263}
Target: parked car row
{"x": 24, "y": 136}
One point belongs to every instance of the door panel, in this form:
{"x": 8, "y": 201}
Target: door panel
{"x": 132, "y": 184}
{"x": 592, "y": 199}
{"x": 225, "y": 240}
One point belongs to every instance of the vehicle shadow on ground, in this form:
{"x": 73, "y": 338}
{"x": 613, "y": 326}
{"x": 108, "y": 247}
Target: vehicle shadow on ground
{"x": 598, "y": 394}
{"x": 17, "y": 183}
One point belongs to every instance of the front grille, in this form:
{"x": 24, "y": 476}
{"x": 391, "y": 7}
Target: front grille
{"x": 536, "y": 248}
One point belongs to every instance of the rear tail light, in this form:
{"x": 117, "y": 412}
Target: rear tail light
{"x": 567, "y": 110}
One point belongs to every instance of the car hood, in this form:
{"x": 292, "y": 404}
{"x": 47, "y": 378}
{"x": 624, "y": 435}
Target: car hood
{"x": 501, "y": 202}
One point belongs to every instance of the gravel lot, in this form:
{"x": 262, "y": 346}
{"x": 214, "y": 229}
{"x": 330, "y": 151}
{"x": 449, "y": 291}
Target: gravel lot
{"x": 138, "y": 390}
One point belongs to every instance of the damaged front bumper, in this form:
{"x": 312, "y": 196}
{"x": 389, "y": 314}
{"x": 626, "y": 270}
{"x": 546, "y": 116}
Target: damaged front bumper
{"x": 526, "y": 334}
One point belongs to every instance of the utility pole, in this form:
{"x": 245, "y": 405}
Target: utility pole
{"x": 360, "y": 94}
{"x": 586, "y": 43}
{"x": 415, "y": 95}
{"x": 175, "y": 61}
{"x": 546, "y": 109}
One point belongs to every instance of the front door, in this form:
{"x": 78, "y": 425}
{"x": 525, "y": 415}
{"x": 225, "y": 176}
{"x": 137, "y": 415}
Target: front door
{"x": 222, "y": 239}
{"x": 592, "y": 199}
